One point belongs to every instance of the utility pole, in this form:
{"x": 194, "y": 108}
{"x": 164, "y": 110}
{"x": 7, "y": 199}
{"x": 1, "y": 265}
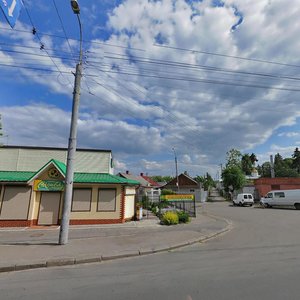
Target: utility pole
{"x": 272, "y": 167}
{"x": 65, "y": 221}
{"x": 177, "y": 180}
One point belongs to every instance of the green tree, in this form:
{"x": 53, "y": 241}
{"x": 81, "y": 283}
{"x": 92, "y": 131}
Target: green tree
{"x": 284, "y": 167}
{"x": 207, "y": 181}
{"x": 247, "y": 164}
{"x": 265, "y": 169}
{"x": 233, "y": 158}
{"x": 253, "y": 159}
{"x": 159, "y": 178}
{"x": 296, "y": 160}
{"x": 233, "y": 178}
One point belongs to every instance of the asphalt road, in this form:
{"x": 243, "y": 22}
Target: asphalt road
{"x": 258, "y": 259}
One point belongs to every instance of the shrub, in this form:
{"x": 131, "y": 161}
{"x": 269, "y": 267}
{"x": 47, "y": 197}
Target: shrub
{"x": 183, "y": 217}
{"x": 167, "y": 192}
{"x": 169, "y": 218}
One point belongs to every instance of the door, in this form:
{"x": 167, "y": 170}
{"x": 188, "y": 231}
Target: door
{"x": 49, "y": 208}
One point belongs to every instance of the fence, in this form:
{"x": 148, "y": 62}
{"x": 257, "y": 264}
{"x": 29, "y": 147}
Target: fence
{"x": 185, "y": 202}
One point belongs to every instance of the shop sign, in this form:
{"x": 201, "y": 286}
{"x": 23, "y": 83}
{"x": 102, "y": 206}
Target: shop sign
{"x": 48, "y": 185}
{"x": 177, "y": 197}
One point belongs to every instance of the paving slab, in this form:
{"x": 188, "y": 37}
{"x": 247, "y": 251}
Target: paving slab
{"x": 29, "y": 248}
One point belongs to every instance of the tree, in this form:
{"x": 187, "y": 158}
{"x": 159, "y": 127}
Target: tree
{"x": 233, "y": 178}
{"x": 207, "y": 181}
{"x": 265, "y": 169}
{"x": 233, "y": 158}
{"x": 247, "y": 164}
{"x": 296, "y": 160}
{"x": 283, "y": 167}
{"x": 253, "y": 159}
{"x": 159, "y": 178}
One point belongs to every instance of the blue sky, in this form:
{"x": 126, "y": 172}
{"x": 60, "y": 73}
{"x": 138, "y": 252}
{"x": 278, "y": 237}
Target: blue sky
{"x": 198, "y": 76}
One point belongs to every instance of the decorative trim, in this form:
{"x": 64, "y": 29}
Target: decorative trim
{"x": 18, "y": 223}
{"x": 95, "y": 221}
{"x": 122, "y": 214}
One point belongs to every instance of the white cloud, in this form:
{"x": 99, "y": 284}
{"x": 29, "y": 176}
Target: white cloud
{"x": 291, "y": 134}
{"x": 137, "y": 116}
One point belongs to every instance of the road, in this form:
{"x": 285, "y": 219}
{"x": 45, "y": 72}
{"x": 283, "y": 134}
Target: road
{"x": 257, "y": 259}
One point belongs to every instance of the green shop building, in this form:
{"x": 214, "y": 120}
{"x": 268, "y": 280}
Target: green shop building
{"x": 32, "y": 188}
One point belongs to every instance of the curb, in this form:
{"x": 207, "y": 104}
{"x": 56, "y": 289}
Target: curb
{"x": 69, "y": 261}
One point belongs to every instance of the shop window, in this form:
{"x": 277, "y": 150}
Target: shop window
{"x": 81, "y": 200}
{"x": 107, "y": 200}
{"x": 15, "y": 203}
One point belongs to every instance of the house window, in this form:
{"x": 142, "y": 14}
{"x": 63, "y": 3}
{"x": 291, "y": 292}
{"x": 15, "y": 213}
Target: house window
{"x": 192, "y": 191}
{"x": 82, "y": 200}
{"x": 107, "y": 200}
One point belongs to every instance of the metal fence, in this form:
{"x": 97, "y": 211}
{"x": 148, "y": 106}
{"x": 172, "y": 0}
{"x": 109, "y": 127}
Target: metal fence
{"x": 187, "y": 205}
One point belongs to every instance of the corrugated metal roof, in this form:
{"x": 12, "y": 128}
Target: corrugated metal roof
{"x": 18, "y": 176}
{"x": 102, "y": 178}
{"x": 60, "y": 165}
{"x": 15, "y": 176}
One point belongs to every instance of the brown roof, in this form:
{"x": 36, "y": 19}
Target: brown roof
{"x": 151, "y": 181}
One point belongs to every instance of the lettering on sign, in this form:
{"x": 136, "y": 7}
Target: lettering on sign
{"x": 48, "y": 185}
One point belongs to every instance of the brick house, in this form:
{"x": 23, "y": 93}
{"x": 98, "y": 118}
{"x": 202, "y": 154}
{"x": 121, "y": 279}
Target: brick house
{"x": 265, "y": 185}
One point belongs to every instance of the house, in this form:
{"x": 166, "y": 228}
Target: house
{"x": 147, "y": 187}
{"x": 186, "y": 185}
{"x": 32, "y": 188}
{"x": 154, "y": 193}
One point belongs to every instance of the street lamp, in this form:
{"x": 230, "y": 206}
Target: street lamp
{"x": 64, "y": 226}
{"x": 177, "y": 181}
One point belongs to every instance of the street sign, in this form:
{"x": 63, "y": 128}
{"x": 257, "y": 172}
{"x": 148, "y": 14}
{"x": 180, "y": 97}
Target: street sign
{"x": 11, "y": 10}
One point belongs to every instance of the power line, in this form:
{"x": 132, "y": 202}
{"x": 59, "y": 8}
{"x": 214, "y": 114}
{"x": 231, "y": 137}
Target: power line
{"x": 42, "y": 45}
{"x": 206, "y": 81}
{"x": 63, "y": 28}
{"x": 73, "y": 39}
{"x": 197, "y": 66}
{"x": 229, "y": 56}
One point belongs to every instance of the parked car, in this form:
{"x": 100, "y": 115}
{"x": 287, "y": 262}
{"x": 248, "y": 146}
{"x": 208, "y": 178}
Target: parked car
{"x": 282, "y": 198}
{"x": 243, "y": 200}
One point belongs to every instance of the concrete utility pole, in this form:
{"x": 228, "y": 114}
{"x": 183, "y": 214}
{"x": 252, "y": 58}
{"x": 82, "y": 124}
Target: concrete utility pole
{"x": 64, "y": 226}
{"x": 177, "y": 180}
{"x": 272, "y": 167}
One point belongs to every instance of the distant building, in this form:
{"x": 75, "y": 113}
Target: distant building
{"x": 187, "y": 185}
{"x": 265, "y": 185}
{"x": 147, "y": 187}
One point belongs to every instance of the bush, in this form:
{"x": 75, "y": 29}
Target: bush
{"x": 183, "y": 217}
{"x": 169, "y": 218}
{"x": 167, "y": 192}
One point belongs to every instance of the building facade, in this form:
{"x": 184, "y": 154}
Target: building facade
{"x": 32, "y": 191}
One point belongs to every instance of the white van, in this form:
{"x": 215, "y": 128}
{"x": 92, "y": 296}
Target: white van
{"x": 243, "y": 199}
{"x": 282, "y": 198}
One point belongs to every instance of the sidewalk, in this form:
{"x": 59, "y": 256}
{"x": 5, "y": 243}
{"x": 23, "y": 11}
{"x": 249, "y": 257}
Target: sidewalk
{"x": 27, "y": 248}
